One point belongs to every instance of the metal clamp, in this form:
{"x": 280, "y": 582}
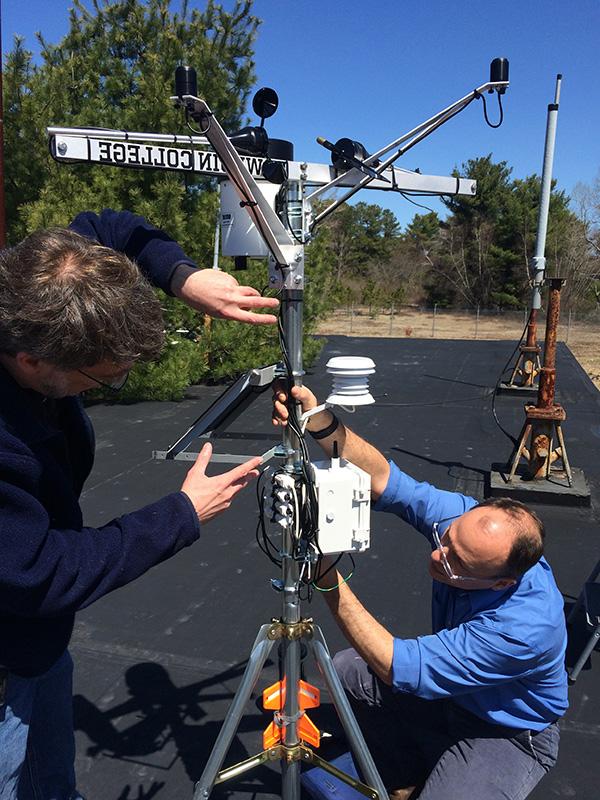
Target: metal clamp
{"x": 290, "y": 630}
{"x": 283, "y": 720}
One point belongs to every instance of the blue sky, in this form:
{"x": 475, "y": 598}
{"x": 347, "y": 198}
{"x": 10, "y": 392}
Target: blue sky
{"x": 372, "y": 70}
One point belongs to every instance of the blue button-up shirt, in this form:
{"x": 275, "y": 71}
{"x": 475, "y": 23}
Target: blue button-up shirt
{"x": 499, "y": 654}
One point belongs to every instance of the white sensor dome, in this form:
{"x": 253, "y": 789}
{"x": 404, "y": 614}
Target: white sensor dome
{"x": 350, "y": 380}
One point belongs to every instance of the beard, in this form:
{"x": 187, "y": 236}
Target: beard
{"x": 56, "y": 387}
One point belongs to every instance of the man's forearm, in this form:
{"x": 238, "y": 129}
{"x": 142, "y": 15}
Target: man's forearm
{"x": 355, "y": 449}
{"x": 153, "y": 250}
{"x": 368, "y": 637}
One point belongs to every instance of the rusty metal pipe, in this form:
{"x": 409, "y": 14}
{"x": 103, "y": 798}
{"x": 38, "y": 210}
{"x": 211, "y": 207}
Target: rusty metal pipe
{"x": 547, "y": 383}
{"x": 532, "y": 329}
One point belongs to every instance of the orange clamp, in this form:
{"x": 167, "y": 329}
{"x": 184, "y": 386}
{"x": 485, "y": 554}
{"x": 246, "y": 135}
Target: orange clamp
{"x": 274, "y": 700}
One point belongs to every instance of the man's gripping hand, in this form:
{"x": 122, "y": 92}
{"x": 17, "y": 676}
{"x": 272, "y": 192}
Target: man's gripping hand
{"x": 307, "y": 400}
{"x": 218, "y": 294}
{"x": 301, "y": 394}
{"x": 211, "y": 496}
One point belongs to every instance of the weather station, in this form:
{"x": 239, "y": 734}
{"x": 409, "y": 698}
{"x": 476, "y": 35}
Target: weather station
{"x": 306, "y": 509}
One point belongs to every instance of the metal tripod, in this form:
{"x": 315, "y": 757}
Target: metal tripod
{"x": 292, "y": 751}
{"x": 291, "y": 630}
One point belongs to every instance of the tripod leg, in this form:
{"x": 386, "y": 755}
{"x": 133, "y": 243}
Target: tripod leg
{"x": 259, "y": 654}
{"x": 551, "y": 453}
{"x": 346, "y": 715}
{"x": 593, "y": 575}
{"x": 517, "y": 453}
{"x": 563, "y": 449}
{"x": 515, "y": 370}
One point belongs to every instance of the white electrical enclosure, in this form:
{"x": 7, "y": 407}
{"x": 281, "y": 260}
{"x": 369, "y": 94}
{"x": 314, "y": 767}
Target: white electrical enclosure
{"x": 344, "y": 498}
{"x": 239, "y": 236}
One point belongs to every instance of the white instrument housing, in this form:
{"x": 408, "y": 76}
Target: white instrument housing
{"x": 344, "y": 497}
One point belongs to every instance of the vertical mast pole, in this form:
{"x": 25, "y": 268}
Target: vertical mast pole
{"x": 292, "y": 311}
{"x": 538, "y": 262}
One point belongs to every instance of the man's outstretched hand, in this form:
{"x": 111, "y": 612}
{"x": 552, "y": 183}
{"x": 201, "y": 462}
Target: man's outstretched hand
{"x": 211, "y": 496}
{"x": 218, "y": 294}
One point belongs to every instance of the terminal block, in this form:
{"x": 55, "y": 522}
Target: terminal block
{"x": 284, "y": 503}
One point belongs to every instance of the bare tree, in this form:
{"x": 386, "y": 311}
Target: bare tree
{"x": 581, "y": 259}
{"x": 587, "y": 201}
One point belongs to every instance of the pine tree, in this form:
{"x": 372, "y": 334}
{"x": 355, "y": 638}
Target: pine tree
{"x": 115, "y": 69}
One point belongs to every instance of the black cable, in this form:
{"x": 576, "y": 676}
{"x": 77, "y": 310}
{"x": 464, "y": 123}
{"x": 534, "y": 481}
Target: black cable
{"x": 496, "y": 387}
{"x": 283, "y": 204}
{"x": 437, "y": 403}
{"x": 266, "y": 545}
{"x": 320, "y": 574}
{"x": 334, "y": 565}
{"x": 189, "y": 125}
{"x": 497, "y": 125}
{"x": 287, "y": 216}
{"x": 309, "y": 505}
{"x": 406, "y": 197}
{"x": 194, "y": 130}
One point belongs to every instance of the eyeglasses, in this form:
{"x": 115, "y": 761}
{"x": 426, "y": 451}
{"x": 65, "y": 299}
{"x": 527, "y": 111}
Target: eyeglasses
{"x": 446, "y": 564}
{"x": 113, "y": 386}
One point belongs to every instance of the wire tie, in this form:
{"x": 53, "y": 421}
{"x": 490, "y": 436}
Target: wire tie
{"x": 282, "y": 720}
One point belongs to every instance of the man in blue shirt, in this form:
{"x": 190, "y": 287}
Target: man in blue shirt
{"x": 471, "y": 710}
{"x": 76, "y": 313}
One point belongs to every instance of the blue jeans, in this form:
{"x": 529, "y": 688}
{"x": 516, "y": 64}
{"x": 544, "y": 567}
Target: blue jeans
{"x": 37, "y": 743}
{"x": 440, "y": 747}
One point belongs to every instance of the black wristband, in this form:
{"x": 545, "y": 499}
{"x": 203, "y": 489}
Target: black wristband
{"x": 325, "y": 432}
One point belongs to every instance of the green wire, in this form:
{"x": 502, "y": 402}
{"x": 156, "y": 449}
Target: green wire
{"x": 333, "y": 588}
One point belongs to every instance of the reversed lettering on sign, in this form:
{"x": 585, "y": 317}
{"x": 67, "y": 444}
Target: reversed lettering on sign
{"x": 129, "y": 154}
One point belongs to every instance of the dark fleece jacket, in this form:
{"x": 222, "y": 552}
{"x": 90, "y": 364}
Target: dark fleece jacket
{"x": 51, "y": 564}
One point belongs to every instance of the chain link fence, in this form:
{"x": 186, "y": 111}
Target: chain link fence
{"x": 580, "y": 331}
{"x": 444, "y": 323}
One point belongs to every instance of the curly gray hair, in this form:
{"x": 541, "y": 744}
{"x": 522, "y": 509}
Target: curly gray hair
{"x": 72, "y": 302}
